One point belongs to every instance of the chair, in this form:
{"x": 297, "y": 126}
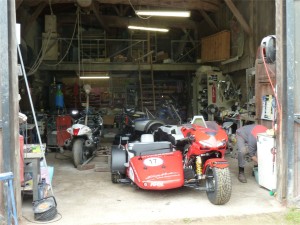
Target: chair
{"x": 11, "y": 206}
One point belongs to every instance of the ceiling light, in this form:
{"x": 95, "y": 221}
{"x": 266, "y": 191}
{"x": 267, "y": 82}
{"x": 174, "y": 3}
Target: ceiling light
{"x": 94, "y": 77}
{"x": 163, "y": 13}
{"x": 148, "y": 28}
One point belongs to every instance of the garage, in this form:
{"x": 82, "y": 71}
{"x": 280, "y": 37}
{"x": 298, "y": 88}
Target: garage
{"x": 111, "y": 108}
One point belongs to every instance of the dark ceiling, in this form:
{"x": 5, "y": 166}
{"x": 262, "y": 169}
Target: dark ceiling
{"x": 108, "y": 14}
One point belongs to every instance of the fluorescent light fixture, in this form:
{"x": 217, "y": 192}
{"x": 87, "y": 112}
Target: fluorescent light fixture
{"x": 163, "y": 13}
{"x": 93, "y": 77}
{"x": 148, "y": 28}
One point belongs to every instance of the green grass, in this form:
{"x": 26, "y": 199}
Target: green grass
{"x": 293, "y": 216}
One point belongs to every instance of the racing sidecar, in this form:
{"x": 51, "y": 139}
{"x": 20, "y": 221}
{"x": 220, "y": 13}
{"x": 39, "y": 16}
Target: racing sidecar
{"x": 182, "y": 155}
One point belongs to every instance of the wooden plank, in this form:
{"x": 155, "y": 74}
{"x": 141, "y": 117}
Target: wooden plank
{"x": 86, "y": 167}
{"x": 216, "y": 47}
{"x": 211, "y": 5}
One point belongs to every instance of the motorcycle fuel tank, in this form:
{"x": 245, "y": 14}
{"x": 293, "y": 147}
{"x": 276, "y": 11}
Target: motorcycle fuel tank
{"x": 157, "y": 172}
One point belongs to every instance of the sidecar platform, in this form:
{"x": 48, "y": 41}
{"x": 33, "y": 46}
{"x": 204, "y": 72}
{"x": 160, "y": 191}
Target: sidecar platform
{"x": 140, "y": 148}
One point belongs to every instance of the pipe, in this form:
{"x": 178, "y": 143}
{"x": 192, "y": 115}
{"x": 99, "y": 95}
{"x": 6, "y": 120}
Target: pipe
{"x": 33, "y": 112}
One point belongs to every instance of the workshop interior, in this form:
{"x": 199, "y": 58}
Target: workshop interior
{"x": 154, "y": 101}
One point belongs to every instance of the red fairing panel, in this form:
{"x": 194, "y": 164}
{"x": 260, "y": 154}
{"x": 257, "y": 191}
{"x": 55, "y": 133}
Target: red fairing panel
{"x": 216, "y": 162}
{"x": 157, "y": 172}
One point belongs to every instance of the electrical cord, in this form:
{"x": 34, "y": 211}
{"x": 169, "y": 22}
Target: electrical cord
{"x": 144, "y": 18}
{"x": 269, "y": 77}
{"x": 53, "y": 221}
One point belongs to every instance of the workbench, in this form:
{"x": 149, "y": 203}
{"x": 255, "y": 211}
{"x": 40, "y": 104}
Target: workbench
{"x": 32, "y": 165}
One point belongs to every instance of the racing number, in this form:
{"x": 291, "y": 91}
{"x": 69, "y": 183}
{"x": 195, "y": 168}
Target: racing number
{"x": 153, "y": 161}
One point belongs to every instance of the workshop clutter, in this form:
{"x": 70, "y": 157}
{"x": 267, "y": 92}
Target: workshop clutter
{"x": 214, "y": 93}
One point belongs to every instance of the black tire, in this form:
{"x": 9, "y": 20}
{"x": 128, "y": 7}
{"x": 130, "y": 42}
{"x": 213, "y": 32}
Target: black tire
{"x": 118, "y": 158}
{"x": 218, "y": 185}
{"x": 77, "y": 149}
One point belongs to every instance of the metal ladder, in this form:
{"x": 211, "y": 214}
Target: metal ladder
{"x": 11, "y": 205}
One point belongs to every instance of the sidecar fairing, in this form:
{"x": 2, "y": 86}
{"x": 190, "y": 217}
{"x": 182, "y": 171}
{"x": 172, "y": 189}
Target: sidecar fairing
{"x": 151, "y": 166}
{"x": 208, "y": 135}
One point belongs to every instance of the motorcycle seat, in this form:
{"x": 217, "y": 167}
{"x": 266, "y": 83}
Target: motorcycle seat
{"x": 140, "y": 148}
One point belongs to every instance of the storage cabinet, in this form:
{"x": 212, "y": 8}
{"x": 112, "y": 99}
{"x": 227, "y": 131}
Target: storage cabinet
{"x": 216, "y": 47}
{"x": 163, "y": 89}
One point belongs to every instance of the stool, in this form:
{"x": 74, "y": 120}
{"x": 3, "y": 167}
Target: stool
{"x": 8, "y": 182}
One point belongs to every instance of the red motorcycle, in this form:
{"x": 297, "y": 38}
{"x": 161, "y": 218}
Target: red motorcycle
{"x": 184, "y": 155}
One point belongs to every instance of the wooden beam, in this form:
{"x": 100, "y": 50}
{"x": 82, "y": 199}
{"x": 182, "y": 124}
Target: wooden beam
{"x": 123, "y": 22}
{"x": 238, "y": 16}
{"x": 209, "y": 20}
{"x": 18, "y": 3}
{"x": 211, "y": 6}
{"x": 207, "y": 5}
{"x": 33, "y": 17}
{"x": 95, "y": 8}
{"x": 117, "y": 67}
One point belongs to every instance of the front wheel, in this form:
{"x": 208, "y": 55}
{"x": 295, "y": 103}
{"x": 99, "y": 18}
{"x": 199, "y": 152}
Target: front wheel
{"x": 77, "y": 149}
{"x": 218, "y": 185}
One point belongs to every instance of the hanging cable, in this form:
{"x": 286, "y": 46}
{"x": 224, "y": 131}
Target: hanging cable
{"x": 43, "y": 50}
{"x": 269, "y": 78}
{"x": 50, "y": 5}
{"x": 70, "y": 44}
{"x": 144, "y": 18}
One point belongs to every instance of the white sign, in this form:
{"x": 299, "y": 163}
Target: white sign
{"x": 153, "y": 161}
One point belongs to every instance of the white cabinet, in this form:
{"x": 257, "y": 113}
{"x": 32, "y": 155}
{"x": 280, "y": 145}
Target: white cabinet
{"x": 267, "y": 176}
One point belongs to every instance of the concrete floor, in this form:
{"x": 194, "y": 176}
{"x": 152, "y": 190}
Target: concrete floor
{"x": 89, "y": 198}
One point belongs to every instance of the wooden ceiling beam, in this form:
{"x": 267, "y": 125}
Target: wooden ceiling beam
{"x": 211, "y": 6}
{"x": 18, "y": 3}
{"x": 238, "y": 16}
{"x": 124, "y": 22}
{"x": 209, "y": 20}
{"x": 207, "y": 5}
{"x": 33, "y": 17}
{"x": 95, "y": 8}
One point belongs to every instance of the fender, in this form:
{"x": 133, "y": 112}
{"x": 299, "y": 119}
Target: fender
{"x": 153, "y": 122}
{"x": 216, "y": 162}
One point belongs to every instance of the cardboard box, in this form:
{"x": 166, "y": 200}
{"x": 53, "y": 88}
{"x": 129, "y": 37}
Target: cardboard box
{"x": 108, "y": 120}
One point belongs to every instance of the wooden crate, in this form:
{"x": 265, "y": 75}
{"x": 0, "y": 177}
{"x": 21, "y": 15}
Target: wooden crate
{"x": 216, "y": 47}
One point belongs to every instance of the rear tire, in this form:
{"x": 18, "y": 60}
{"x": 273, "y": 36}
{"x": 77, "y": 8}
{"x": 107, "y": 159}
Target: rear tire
{"x": 118, "y": 158}
{"x": 218, "y": 185}
{"x": 77, "y": 150}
